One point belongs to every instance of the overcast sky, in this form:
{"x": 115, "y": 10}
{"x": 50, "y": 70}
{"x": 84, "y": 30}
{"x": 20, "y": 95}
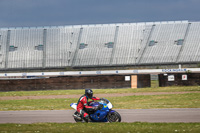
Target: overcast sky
{"x": 22, "y": 13}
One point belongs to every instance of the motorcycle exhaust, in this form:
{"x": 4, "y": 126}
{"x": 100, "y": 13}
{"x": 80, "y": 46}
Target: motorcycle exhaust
{"x": 77, "y": 117}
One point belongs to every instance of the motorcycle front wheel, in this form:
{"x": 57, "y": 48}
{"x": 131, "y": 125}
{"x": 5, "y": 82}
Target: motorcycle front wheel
{"x": 114, "y": 117}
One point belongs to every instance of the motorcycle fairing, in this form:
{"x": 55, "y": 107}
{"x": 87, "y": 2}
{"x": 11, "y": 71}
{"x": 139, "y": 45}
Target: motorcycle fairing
{"x": 74, "y": 105}
{"x": 99, "y": 116}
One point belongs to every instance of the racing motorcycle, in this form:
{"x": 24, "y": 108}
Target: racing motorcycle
{"x": 103, "y": 114}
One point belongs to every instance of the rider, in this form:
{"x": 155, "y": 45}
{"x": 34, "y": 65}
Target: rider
{"x": 82, "y": 105}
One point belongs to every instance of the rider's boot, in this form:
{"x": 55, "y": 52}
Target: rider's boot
{"x": 87, "y": 119}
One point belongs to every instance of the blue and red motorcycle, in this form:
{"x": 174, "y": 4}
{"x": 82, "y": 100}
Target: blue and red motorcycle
{"x": 103, "y": 114}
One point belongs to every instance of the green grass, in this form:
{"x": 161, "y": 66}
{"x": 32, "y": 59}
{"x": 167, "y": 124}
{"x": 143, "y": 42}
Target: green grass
{"x": 154, "y": 83}
{"x": 189, "y": 100}
{"x": 136, "y": 127}
{"x": 154, "y": 88}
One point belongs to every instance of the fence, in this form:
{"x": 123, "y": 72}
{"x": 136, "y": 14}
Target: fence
{"x": 94, "y": 62}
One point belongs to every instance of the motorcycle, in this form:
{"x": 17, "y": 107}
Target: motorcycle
{"x": 103, "y": 114}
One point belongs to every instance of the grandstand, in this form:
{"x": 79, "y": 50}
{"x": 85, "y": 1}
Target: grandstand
{"x": 169, "y": 42}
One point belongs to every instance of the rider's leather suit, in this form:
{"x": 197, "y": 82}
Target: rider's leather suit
{"x": 82, "y": 106}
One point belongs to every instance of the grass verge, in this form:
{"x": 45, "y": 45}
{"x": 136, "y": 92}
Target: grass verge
{"x": 136, "y": 127}
{"x": 154, "y": 88}
{"x": 189, "y": 100}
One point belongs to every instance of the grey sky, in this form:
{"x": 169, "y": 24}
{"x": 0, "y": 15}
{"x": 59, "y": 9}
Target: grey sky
{"x": 17, "y": 13}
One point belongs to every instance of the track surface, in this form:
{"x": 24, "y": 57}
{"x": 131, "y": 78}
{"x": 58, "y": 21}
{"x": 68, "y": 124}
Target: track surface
{"x": 128, "y": 115}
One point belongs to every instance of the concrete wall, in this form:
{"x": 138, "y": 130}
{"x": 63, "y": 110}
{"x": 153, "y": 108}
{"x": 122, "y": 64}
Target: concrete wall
{"x": 143, "y": 81}
{"x": 180, "y": 79}
{"x": 74, "y": 82}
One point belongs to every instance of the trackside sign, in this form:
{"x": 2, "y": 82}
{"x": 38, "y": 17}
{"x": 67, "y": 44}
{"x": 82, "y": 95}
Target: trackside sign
{"x": 171, "y": 78}
{"x": 184, "y": 77}
{"x": 174, "y": 70}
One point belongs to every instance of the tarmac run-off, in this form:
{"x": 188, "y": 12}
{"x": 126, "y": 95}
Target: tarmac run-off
{"x": 128, "y": 115}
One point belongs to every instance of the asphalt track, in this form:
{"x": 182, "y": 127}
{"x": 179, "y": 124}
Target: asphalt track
{"x": 128, "y": 115}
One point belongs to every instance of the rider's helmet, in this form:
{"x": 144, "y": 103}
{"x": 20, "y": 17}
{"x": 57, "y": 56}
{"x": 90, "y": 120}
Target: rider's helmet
{"x": 89, "y": 93}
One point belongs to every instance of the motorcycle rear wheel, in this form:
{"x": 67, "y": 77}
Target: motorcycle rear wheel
{"x": 114, "y": 117}
{"x": 77, "y": 120}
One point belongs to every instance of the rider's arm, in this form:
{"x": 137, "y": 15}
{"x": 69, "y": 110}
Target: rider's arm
{"x": 84, "y": 101}
{"x": 95, "y": 98}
